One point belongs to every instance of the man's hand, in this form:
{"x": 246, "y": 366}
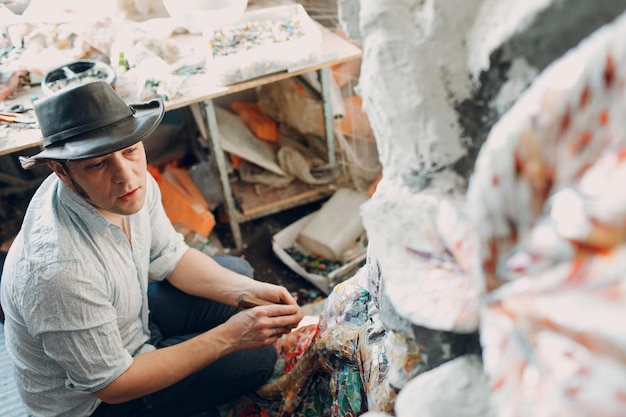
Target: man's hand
{"x": 261, "y": 326}
{"x": 275, "y": 294}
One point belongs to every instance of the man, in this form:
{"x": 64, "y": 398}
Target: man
{"x": 86, "y": 332}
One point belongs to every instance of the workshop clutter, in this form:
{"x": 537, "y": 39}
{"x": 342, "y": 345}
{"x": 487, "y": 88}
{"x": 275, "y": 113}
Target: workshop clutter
{"x": 279, "y": 136}
{"x": 32, "y": 48}
{"x": 261, "y": 42}
{"x": 295, "y": 102}
{"x": 76, "y": 73}
{"x": 328, "y": 246}
{"x": 353, "y": 131}
{"x": 17, "y": 79}
{"x": 295, "y": 107}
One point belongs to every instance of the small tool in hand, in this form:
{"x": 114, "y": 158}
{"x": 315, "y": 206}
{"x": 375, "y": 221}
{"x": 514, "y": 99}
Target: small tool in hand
{"x": 247, "y": 301}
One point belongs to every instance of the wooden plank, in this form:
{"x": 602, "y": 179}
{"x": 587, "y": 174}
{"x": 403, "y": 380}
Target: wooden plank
{"x": 253, "y": 205}
{"x": 19, "y": 139}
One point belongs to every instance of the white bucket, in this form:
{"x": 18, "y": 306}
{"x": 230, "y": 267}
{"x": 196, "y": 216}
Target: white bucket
{"x": 335, "y": 227}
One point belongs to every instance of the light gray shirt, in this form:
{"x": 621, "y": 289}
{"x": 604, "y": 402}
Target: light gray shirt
{"x": 74, "y": 293}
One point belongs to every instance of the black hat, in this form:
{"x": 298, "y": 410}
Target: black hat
{"x": 88, "y": 121}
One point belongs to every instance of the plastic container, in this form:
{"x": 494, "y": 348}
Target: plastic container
{"x": 284, "y": 239}
{"x": 267, "y": 58}
{"x": 76, "y": 73}
{"x": 336, "y": 226}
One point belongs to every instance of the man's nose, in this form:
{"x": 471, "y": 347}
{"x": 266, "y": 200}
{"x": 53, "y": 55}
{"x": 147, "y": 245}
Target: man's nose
{"x": 122, "y": 169}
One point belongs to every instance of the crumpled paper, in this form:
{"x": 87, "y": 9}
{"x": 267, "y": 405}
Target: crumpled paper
{"x": 330, "y": 362}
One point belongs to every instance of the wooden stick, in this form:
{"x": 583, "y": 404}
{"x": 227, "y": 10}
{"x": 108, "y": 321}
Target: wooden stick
{"x": 247, "y": 301}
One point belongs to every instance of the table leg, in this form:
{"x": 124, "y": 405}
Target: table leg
{"x": 210, "y": 121}
{"x": 325, "y": 75}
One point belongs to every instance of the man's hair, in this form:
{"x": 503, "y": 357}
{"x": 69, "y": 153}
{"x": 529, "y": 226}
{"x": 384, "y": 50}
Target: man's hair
{"x": 77, "y": 188}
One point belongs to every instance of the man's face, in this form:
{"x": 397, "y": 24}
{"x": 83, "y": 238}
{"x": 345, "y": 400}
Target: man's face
{"x": 114, "y": 183}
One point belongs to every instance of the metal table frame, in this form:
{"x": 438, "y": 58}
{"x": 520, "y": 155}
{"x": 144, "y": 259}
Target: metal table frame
{"x": 210, "y": 125}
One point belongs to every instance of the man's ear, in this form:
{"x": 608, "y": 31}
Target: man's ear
{"x": 59, "y": 169}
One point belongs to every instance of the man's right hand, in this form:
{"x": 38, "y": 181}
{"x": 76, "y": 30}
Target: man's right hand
{"x": 261, "y": 326}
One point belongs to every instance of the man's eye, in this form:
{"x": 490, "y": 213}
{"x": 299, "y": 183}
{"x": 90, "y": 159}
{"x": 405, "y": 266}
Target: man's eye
{"x": 96, "y": 165}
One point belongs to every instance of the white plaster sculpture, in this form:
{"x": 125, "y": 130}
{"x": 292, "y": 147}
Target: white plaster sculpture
{"x": 436, "y": 76}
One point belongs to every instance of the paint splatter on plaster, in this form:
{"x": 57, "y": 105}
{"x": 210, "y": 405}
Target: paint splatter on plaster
{"x": 436, "y": 76}
{"x": 547, "y": 29}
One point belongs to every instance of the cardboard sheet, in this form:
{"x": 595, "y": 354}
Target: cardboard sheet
{"x": 238, "y": 139}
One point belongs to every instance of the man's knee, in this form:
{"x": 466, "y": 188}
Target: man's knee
{"x": 238, "y": 373}
{"x": 236, "y": 264}
{"x": 261, "y": 366}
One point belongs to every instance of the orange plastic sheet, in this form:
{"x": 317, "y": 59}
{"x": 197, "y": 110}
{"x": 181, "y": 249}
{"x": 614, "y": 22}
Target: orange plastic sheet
{"x": 181, "y": 206}
{"x": 263, "y": 126}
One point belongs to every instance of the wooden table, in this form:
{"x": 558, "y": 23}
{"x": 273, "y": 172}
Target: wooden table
{"x": 199, "y": 91}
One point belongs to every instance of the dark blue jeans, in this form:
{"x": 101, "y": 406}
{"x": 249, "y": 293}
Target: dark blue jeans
{"x": 176, "y": 316}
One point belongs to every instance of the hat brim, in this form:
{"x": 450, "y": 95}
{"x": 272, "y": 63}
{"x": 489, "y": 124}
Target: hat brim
{"x": 106, "y": 140}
